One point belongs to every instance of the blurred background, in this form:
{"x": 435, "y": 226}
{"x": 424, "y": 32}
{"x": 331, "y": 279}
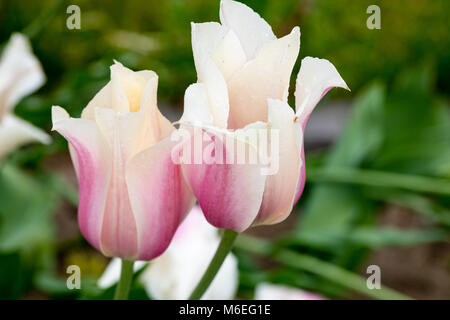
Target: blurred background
{"x": 378, "y": 157}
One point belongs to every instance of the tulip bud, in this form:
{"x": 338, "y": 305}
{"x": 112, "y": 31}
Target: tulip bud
{"x": 132, "y": 196}
{"x": 243, "y": 73}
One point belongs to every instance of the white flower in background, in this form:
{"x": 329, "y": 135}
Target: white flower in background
{"x": 20, "y": 75}
{"x": 112, "y": 272}
{"x": 267, "y": 291}
{"x": 177, "y": 271}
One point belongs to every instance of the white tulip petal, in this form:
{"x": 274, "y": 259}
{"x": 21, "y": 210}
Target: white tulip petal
{"x": 267, "y": 76}
{"x": 123, "y": 93}
{"x": 20, "y": 72}
{"x": 252, "y": 30}
{"x": 315, "y": 78}
{"x": 229, "y": 55}
{"x": 280, "y": 188}
{"x": 15, "y": 132}
{"x": 206, "y": 37}
{"x": 209, "y": 74}
{"x": 196, "y": 106}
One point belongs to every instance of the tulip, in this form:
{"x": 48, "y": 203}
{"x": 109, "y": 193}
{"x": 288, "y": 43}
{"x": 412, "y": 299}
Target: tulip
{"x": 132, "y": 196}
{"x": 20, "y": 75}
{"x": 243, "y": 73}
{"x": 268, "y": 291}
{"x": 243, "y": 83}
{"x": 174, "y": 274}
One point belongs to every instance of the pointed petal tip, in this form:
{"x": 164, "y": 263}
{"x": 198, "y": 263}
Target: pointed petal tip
{"x": 314, "y": 63}
{"x": 294, "y": 35}
{"x": 116, "y": 62}
{"x": 315, "y": 78}
{"x": 346, "y": 87}
{"x": 58, "y": 114}
{"x": 296, "y": 30}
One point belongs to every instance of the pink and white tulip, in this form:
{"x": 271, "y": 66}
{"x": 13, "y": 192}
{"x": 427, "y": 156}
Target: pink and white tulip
{"x": 132, "y": 196}
{"x": 20, "y": 74}
{"x": 243, "y": 82}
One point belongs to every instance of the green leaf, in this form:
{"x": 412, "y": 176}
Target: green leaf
{"x": 429, "y": 208}
{"x": 417, "y": 128}
{"x": 326, "y": 270}
{"x": 374, "y": 237}
{"x": 26, "y": 208}
{"x": 11, "y": 276}
{"x": 418, "y": 183}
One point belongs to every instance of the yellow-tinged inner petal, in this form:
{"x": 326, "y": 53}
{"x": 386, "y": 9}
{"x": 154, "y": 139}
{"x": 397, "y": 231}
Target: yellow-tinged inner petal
{"x": 133, "y": 90}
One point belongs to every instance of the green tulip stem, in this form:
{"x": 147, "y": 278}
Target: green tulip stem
{"x": 225, "y": 246}
{"x": 124, "y": 285}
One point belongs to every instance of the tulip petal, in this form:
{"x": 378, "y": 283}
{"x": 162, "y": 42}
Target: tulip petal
{"x": 206, "y": 37}
{"x": 209, "y": 74}
{"x": 229, "y": 191}
{"x": 149, "y": 107}
{"x": 21, "y": 72}
{"x": 90, "y": 154}
{"x": 15, "y": 132}
{"x": 196, "y": 106}
{"x": 250, "y": 28}
{"x": 302, "y": 180}
{"x": 315, "y": 78}
{"x": 212, "y": 40}
{"x": 112, "y": 95}
{"x": 123, "y": 93}
{"x": 281, "y": 187}
{"x": 267, "y": 76}
{"x": 159, "y": 197}
{"x": 121, "y": 131}
{"x": 229, "y": 55}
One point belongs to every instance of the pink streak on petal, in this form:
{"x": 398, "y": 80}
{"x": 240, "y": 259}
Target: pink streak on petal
{"x": 301, "y": 181}
{"x": 229, "y": 194}
{"x": 302, "y": 178}
{"x": 159, "y": 196}
{"x": 88, "y": 155}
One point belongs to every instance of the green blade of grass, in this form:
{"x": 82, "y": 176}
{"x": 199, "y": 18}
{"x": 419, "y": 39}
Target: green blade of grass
{"x": 385, "y": 179}
{"x": 316, "y": 266}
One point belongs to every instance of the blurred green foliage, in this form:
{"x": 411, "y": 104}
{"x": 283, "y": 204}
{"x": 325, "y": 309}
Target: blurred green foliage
{"x": 395, "y": 148}
{"x": 156, "y": 35}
